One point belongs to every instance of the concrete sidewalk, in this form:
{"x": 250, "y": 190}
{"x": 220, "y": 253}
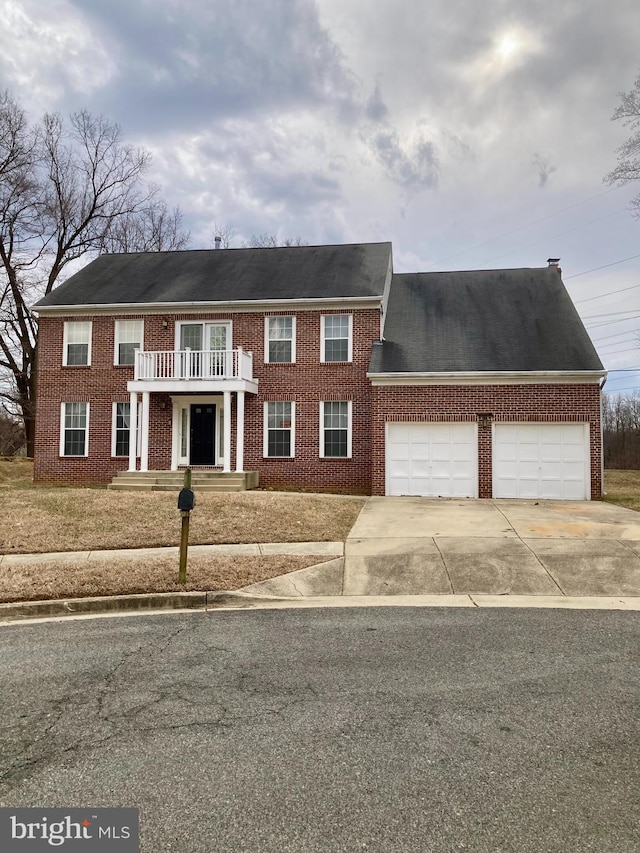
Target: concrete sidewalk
{"x": 321, "y": 549}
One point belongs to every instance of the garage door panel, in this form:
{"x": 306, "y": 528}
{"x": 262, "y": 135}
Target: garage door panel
{"x": 528, "y": 451}
{"x": 547, "y": 461}
{"x": 551, "y": 453}
{"x": 437, "y": 459}
{"x": 441, "y": 452}
{"x": 419, "y": 450}
{"x": 528, "y": 470}
{"x": 419, "y": 468}
{"x": 400, "y": 485}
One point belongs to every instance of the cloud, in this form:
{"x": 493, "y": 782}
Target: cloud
{"x": 200, "y": 60}
{"x": 410, "y": 161}
{"x": 376, "y": 109}
{"x": 545, "y": 169}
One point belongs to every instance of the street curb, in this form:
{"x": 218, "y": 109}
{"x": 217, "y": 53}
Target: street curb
{"x": 103, "y": 604}
{"x": 231, "y": 600}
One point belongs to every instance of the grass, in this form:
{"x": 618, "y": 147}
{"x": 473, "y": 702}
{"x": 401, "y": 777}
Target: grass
{"x": 42, "y": 519}
{"x": 69, "y": 579}
{"x": 622, "y": 488}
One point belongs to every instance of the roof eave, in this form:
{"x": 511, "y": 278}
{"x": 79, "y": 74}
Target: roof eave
{"x": 489, "y": 377}
{"x": 242, "y": 305}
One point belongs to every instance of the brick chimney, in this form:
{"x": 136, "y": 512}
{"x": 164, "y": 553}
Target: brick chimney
{"x": 554, "y": 262}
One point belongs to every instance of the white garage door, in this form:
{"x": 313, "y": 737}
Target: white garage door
{"x": 541, "y": 461}
{"x": 434, "y": 460}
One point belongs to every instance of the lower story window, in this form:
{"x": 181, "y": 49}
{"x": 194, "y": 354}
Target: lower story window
{"x": 279, "y": 429}
{"x": 121, "y": 424}
{"x": 335, "y": 430}
{"x": 75, "y": 428}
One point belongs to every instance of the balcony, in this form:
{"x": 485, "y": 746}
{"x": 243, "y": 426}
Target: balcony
{"x": 194, "y": 370}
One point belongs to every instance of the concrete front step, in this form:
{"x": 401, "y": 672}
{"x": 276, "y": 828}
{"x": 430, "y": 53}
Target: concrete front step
{"x": 169, "y": 481}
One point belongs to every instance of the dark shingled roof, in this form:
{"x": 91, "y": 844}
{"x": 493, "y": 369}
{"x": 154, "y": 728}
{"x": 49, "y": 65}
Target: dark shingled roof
{"x": 228, "y": 275}
{"x": 487, "y": 320}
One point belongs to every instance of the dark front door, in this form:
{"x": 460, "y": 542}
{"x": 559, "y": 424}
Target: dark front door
{"x": 203, "y": 435}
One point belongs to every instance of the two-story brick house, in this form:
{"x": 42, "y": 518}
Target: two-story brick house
{"x": 317, "y": 368}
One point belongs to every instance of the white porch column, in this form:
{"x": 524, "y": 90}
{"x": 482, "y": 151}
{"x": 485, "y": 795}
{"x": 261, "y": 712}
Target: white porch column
{"x": 133, "y": 426}
{"x": 175, "y": 434}
{"x": 144, "y": 450}
{"x": 240, "y": 433}
{"x": 226, "y": 457}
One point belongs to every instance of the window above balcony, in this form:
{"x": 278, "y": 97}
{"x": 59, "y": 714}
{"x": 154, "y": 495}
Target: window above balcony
{"x": 193, "y": 335}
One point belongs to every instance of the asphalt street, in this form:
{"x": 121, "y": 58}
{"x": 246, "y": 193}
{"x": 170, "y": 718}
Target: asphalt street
{"x": 333, "y": 730}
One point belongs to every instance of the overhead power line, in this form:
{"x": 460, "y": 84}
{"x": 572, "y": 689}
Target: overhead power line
{"x": 618, "y": 352}
{"x": 521, "y": 227}
{"x": 604, "y": 267}
{"x": 611, "y": 314}
{"x": 617, "y": 335}
{"x": 624, "y": 369}
{"x": 609, "y": 293}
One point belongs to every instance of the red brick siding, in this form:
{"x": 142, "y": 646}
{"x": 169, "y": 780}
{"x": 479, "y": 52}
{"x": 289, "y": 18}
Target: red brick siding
{"x": 544, "y": 403}
{"x": 307, "y": 382}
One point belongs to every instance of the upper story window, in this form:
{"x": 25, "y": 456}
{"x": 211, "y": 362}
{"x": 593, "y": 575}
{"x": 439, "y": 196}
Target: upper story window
{"x": 336, "y": 335}
{"x": 128, "y": 338}
{"x": 77, "y": 343}
{"x": 280, "y": 340}
{"x": 204, "y": 336}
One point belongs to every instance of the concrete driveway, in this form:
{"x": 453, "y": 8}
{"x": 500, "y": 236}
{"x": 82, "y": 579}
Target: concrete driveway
{"x": 421, "y": 546}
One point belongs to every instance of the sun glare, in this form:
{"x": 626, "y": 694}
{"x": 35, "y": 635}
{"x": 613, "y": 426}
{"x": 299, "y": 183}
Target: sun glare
{"x": 508, "y": 46}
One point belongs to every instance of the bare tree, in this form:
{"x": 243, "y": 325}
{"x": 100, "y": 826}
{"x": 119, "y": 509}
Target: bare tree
{"x": 12, "y": 441}
{"x": 225, "y": 232}
{"x": 270, "y": 241}
{"x": 621, "y": 429}
{"x": 66, "y": 189}
{"x": 153, "y": 228}
{"x": 628, "y": 168}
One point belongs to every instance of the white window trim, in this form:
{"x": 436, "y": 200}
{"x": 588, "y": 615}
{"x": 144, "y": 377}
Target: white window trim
{"x": 180, "y": 323}
{"x": 266, "y": 339}
{"x": 116, "y": 340}
{"x": 265, "y": 430}
{"x": 62, "y": 431}
{"x": 113, "y": 429}
{"x": 349, "y": 428}
{"x": 349, "y": 342}
{"x": 65, "y": 342}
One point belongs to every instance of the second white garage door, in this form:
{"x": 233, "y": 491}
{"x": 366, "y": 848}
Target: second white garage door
{"x": 536, "y": 460}
{"x": 432, "y": 459}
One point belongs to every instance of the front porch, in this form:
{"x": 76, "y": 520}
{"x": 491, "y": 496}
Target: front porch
{"x": 202, "y": 386}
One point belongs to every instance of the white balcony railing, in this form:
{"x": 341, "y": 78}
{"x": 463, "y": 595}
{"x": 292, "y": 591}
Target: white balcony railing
{"x": 194, "y": 364}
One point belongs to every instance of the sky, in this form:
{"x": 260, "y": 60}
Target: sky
{"x": 472, "y": 135}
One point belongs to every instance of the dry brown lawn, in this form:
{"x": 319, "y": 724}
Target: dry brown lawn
{"x": 623, "y": 488}
{"x": 69, "y": 579}
{"x": 38, "y": 519}
{"x": 42, "y": 519}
